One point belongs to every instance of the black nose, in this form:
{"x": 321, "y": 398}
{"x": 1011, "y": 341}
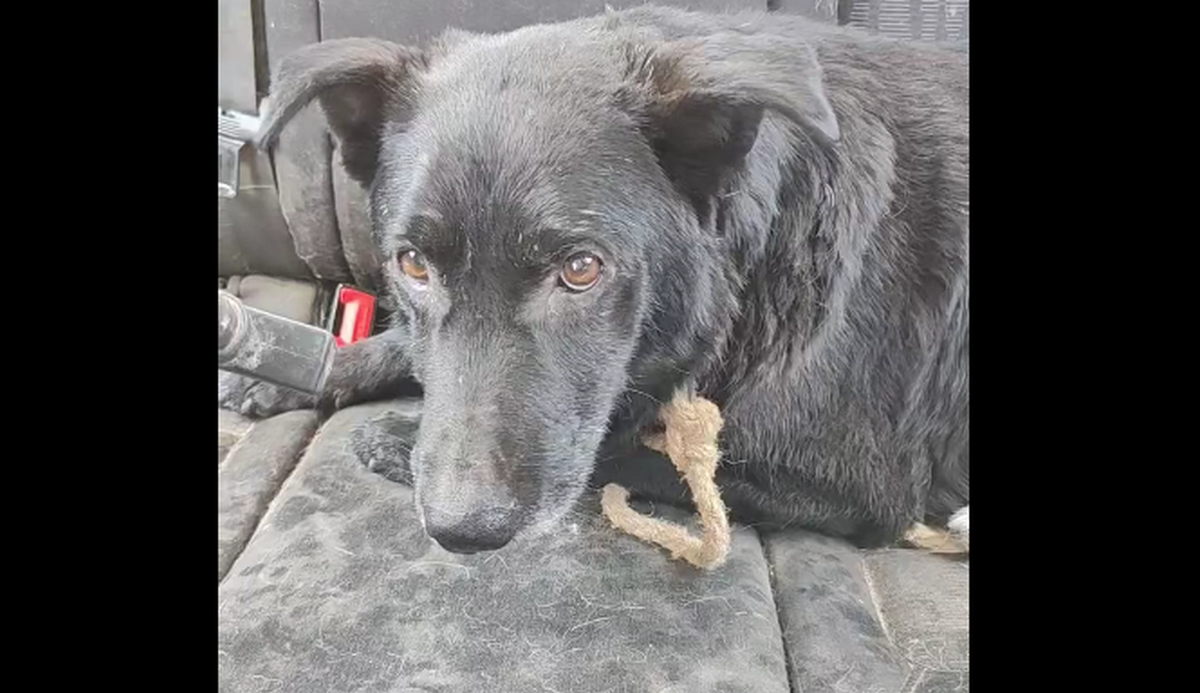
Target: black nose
{"x": 485, "y": 530}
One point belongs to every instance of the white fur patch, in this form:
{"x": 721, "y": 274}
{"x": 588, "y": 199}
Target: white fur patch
{"x": 960, "y": 524}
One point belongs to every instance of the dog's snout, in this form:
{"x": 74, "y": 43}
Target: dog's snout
{"x": 482, "y": 530}
{"x": 471, "y": 497}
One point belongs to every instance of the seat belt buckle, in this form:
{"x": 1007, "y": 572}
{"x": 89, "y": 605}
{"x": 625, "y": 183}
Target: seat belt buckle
{"x": 352, "y": 315}
{"x": 272, "y": 348}
{"x": 234, "y": 130}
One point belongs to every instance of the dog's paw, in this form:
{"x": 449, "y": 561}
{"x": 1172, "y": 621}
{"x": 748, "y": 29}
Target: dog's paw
{"x": 257, "y": 399}
{"x": 383, "y": 445}
{"x": 960, "y": 524}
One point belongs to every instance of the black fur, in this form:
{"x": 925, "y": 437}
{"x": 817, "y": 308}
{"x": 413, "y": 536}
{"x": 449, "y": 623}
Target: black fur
{"x": 782, "y": 211}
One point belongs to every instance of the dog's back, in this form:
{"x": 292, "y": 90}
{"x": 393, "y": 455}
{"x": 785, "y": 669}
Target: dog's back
{"x": 847, "y": 372}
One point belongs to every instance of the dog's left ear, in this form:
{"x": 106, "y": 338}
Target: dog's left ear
{"x": 361, "y": 84}
{"x": 701, "y": 106}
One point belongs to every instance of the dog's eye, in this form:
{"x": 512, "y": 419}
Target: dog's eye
{"x": 581, "y": 271}
{"x": 412, "y": 263}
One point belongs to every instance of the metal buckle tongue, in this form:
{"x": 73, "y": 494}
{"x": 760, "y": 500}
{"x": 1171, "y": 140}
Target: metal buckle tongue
{"x": 268, "y": 347}
{"x": 234, "y": 130}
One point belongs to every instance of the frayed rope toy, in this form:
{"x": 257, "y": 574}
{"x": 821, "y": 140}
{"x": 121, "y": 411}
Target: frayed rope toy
{"x": 689, "y": 440}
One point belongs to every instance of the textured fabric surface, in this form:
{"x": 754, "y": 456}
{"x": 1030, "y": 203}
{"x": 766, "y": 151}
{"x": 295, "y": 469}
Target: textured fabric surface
{"x": 235, "y": 56}
{"x": 287, "y": 298}
{"x": 304, "y": 178}
{"x": 354, "y": 224}
{"x": 250, "y": 476}
{"x": 831, "y": 627}
{"x": 252, "y": 233}
{"x": 303, "y": 172}
{"x": 340, "y": 590}
{"x": 415, "y": 21}
{"x": 870, "y": 622}
{"x": 231, "y": 426}
{"x": 925, "y": 606}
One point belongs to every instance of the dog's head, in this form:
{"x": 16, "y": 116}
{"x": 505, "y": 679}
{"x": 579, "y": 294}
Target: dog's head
{"x": 546, "y": 201}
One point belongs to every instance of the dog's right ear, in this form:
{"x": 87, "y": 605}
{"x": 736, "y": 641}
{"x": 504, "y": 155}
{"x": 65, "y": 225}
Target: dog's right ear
{"x": 701, "y": 101}
{"x": 360, "y": 83}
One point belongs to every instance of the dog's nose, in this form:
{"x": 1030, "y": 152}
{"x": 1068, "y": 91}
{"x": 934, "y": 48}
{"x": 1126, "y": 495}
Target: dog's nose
{"x": 484, "y": 530}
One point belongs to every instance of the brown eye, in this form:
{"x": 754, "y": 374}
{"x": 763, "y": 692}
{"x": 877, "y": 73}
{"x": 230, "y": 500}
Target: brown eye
{"x": 580, "y": 272}
{"x": 413, "y": 265}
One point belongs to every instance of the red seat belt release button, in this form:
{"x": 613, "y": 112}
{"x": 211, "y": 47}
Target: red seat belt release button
{"x": 356, "y": 315}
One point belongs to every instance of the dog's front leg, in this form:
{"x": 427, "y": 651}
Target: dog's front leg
{"x": 384, "y": 443}
{"x": 373, "y": 369}
{"x": 647, "y": 474}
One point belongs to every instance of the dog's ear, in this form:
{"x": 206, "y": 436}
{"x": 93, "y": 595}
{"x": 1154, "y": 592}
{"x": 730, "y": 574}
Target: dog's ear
{"x": 701, "y": 105}
{"x": 360, "y": 83}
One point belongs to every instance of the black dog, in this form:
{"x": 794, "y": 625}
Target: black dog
{"x": 587, "y": 216}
